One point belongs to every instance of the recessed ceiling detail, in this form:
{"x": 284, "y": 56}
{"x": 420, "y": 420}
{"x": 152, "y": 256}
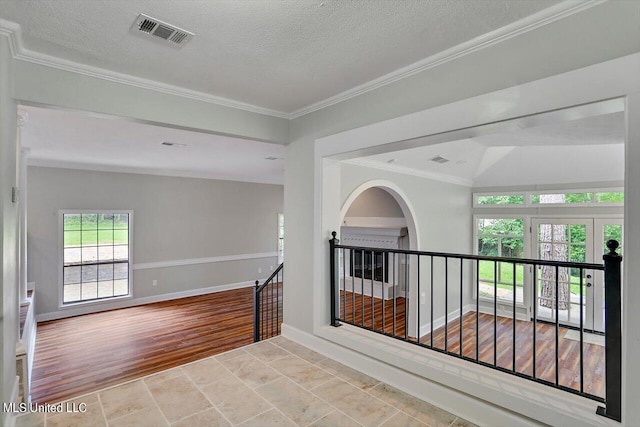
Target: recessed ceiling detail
{"x": 148, "y": 26}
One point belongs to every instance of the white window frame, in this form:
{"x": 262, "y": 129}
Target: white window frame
{"x": 528, "y": 204}
{"x": 61, "y": 213}
{"x": 280, "y": 252}
{"x": 526, "y": 237}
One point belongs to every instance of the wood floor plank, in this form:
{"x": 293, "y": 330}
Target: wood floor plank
{"x": 82, "y": 354}
{"x": 356, "y": 308}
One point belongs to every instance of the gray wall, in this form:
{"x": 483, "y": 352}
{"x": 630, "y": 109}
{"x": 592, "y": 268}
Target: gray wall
{"x": 173, "y": 219}
{"x": 374, "y": 202}
{"x": 9, "y": 233}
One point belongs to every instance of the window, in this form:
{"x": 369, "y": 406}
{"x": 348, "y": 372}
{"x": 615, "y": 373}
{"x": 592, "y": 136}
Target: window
{"x": 500, "y": 237}
{"x": 280, "y": 238}
{"x": 95, "y": 255}
{"x": 360, "y": 268}
{"x": 506, "y": 199}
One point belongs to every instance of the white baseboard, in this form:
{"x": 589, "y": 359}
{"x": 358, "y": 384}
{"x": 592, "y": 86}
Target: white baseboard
{"x": 439, "y": 322}
{"x": 481, "y": 395}
{"x": 131, "y": 302}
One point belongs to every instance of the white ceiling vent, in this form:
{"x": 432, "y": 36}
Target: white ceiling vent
{"x": 172, "y": 35}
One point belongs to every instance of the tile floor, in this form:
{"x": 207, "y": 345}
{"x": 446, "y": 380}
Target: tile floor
{"x": 272, "y": 383}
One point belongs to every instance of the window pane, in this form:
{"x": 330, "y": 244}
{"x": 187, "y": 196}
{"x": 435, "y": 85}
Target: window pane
{"x": 89, "y": 254}
{"x": 610, "y": 197}
{"x": 71, "y": 293}
{"x": 72, "y": 221}
{"x": 121, "y": 252}
{"x": 89, "y": 291}
{"x": 121, "y": 221}
{"x": 89, "y": 221}
{"x": 105, "y": 237}
{"x": 105, "y": 221}
{"x": 120, "y": 237}
{"x": 72, "y": 238}
{"x": 89, "y": 237}
{"x": 72, "y": 256}
{"x": 105, "y": 289}
{"x": 72, "y": 275}
{"x": 121, "y": 270}
{"x": 89, "y": 273}
{"x": 511, "y": 199}
{"x": 120, "y": 287}
{"x": 561, "y": 198}
{"x": 501, "y": 226}
{"x": 105, "y": 272}
{"x": 105, "y": 253}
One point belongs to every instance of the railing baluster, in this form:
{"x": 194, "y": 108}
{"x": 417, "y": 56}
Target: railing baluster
{"x": 557, "y": 294}
{"x": 477, "y": 310}
{"x": 495, "y": 313}
{"x": 362, "y": 270}
{"x": 446, "y": 304}
{"x": 406, "y": 297}
{"x": 535, "y": 315}
{"x": 582, "y": 335}
{"x": 418, "y": 300}
{"x": 513, "y": 365}
{"x": 385, "y": 258}
{"x": 344, "y": 284}
{"x": 394, "y": 294}
{"x": 353, "y": 287}
{"x": 373, "y": 316}
{"x": 461, "y": 281}
{"x": 256, "y": 313}
{"x": 431, "y": 311}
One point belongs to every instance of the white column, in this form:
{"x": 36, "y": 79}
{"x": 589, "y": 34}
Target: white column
{"x": 631, "y": 281}
{"x": 22, "y": 206}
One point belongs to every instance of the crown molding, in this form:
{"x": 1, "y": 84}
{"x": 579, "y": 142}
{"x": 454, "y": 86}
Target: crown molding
{"x": 410, "y": 171}
{"x": 546, "y": 16}
{"x": 524, "y": 25}
{"x": 19, "y": 52}
{"x": 61, "y": 164}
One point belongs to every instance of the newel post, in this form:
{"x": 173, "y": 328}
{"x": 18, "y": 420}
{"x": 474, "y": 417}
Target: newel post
{"x": 256, "y": 313}
{"x": 335, "y": 296}
{"x": 613, "y": 333}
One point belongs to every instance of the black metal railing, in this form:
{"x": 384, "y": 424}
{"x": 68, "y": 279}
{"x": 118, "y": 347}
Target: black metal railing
{"x": 450, "y": 303}
{"x": 267, "y": 306}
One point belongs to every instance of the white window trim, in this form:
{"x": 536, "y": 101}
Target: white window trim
{"x": 526, "y": 225}
{"x": 61, "y": 213}
{"x": 528, "y": 204}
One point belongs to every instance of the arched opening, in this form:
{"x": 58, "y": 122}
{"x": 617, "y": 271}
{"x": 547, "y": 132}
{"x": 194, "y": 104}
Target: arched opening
{"x": 378, "y": 215}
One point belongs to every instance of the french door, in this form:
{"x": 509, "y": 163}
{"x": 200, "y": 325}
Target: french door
{"x": 558, "y": 290}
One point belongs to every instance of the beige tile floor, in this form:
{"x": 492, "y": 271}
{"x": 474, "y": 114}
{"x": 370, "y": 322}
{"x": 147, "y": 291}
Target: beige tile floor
{"x": 272, "y": 383}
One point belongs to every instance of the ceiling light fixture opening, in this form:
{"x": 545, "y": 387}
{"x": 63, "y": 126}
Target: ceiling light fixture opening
{"x": 173, "y": 144}
{"x": 439, "y": 159}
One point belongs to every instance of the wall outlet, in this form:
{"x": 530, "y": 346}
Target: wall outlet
{"x": 271, "y": 267}
{"x": 155, "y": 282}
{"x": 423, "y": 298}
{"x": 259, "y": 270}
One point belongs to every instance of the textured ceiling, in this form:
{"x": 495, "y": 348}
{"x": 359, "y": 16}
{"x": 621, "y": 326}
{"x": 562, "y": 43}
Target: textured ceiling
{"x": 276, "y": 54}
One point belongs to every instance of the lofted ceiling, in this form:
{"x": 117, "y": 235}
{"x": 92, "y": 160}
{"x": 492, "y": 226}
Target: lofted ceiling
{"x": 61, "y": 138}
{"x": 584, "y": 150}
{"x": 281, "y": 55}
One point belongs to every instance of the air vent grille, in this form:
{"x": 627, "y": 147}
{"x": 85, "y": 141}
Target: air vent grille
{"x": 172, "y": 35}
{"x": 147, "y": 26}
